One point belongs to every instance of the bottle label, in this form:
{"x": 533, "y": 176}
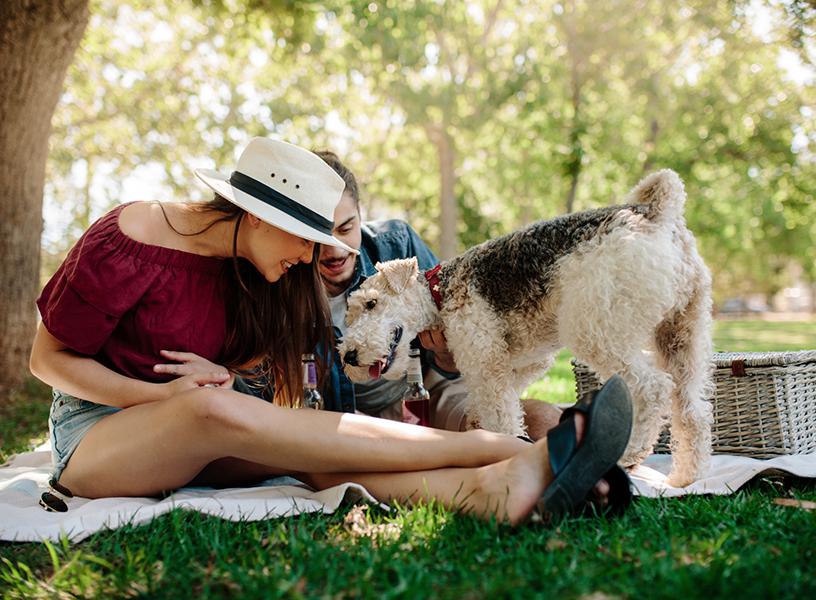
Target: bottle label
{"x": 310, "y": 374}
{"x": 415, "y": 371}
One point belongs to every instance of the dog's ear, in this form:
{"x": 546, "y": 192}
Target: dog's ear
{"x": 398, "y": 273}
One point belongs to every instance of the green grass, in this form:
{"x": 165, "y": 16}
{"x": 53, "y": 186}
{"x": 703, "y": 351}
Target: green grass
{"x": 754, "y": 336}
{"x": 739, "y": 546}
{"x": 24, "y": 419}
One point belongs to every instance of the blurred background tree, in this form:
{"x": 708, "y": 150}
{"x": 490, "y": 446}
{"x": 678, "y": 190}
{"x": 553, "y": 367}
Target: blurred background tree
{"x": 38, "y": 39}
{"x": 468, "y": 119}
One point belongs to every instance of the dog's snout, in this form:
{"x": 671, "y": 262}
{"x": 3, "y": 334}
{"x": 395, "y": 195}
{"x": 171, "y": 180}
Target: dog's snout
{"x": 351, "y": 358}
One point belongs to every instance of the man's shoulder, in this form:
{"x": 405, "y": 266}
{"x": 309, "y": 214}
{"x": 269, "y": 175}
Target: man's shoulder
{"x": 386, "y": 228}
{"x": 393, "y": 238}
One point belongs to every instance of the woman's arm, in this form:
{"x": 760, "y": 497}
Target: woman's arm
{"x": 78, "y": 375}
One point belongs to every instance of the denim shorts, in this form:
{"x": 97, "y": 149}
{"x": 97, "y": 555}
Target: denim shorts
{"x": 69, "y": 421}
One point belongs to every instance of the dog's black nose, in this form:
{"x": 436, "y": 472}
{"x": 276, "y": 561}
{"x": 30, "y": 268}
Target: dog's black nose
{"x": 351, "y": 358}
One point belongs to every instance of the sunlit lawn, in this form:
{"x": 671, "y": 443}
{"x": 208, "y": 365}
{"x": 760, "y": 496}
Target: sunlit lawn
{"x": 746, "y": 336}
{"x": 741, "y": 546}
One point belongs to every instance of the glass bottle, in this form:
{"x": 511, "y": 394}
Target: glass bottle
{"x": 311, "y": 397}
{"x": 416, "y": 403}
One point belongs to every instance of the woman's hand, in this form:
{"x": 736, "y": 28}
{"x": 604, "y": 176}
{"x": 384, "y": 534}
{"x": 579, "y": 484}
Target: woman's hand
{"x": 82, "y": 376}
{"x": 193, "y": 371}
{"x": 435, "y": 341}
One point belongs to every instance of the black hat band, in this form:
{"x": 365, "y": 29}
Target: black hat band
{"x": 275, "y": 199}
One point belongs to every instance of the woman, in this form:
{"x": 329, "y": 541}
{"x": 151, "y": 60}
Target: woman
{"x": 158, "y": 305}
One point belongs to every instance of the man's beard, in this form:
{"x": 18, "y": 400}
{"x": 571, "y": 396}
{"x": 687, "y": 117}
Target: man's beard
{"x": 340, "y": 286}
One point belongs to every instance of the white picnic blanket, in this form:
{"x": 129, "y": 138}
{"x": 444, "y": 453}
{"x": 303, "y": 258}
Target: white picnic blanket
{"x": 726, "y": 474}
{"x": 26, "y": 477}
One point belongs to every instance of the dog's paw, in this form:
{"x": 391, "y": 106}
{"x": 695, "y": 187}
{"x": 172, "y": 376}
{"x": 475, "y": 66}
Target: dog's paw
{"x": 633, "y": 458}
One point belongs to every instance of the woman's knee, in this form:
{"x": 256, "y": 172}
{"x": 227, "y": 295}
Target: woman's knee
{"x": 220, "y": 409}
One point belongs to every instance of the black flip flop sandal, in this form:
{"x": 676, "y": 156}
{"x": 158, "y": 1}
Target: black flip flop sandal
{"x": 607, "y": 427}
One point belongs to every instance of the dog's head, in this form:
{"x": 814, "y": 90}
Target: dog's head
{"x": 383, "y": 317}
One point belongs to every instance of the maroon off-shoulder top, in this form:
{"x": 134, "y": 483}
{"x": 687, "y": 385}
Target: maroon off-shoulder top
{"x": 121, "y": 301}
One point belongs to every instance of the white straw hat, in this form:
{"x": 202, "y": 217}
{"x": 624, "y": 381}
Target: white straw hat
{"x": 285, "y": 186}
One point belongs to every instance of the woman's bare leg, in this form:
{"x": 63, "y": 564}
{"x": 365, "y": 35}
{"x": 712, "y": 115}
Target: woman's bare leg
{"x": 508, "y": 489}
{"x": 151, "y": 448}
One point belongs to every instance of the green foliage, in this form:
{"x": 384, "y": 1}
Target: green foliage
{"x": 157, "y": 90}
{"x": 292, "y": 20}
{"x": 799, "y": 18}
{"x": 550, "y": 107}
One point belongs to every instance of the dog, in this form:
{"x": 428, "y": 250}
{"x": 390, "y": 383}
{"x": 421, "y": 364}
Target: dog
{"x": 623, "y": 287}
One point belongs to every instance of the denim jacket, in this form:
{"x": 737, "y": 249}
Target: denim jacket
{"x": 381, "y": 241}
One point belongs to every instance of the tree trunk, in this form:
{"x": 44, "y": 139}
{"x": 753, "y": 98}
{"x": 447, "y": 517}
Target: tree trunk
{"x": 448, "y": 207}
{"x": 38, "y": 39}
{"x": 572, "y": 191}
{"x": 575, "y": 164}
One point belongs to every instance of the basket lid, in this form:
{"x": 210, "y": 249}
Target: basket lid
{"x": 764, "y": 359}
{"x": 750, "y": 359}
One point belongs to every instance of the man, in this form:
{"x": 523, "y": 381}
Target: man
{"x": 344, "y": 272}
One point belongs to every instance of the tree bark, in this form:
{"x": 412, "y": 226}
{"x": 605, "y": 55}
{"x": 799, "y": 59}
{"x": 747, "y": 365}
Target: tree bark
{"x": 38, "y": 39}
{"x": 448, "y": 207}
{"x": 575, "y": 164}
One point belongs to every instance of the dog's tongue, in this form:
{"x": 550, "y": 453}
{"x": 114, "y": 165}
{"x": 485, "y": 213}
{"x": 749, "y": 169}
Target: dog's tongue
{"x": 375, "y": 370}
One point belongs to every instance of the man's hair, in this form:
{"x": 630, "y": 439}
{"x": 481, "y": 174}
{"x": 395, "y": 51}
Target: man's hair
{"x": 335, "y": 163}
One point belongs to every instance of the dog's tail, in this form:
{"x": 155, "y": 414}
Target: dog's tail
{"x": 663, "y": 191}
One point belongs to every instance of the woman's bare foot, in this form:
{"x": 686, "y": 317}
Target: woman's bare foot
{"x": 512, "y": 487}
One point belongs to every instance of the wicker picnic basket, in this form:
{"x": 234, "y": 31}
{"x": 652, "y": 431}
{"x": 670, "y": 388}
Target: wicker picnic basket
{"x": 764, "y": 403}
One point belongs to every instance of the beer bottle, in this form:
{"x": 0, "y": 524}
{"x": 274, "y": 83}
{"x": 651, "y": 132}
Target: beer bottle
{"x": 311, "y": 397}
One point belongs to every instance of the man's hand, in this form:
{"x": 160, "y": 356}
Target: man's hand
{"x": 435, "y": 341}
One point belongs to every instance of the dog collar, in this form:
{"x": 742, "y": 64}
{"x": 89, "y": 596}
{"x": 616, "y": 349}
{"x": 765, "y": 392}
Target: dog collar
{"x": 432, "y": 276}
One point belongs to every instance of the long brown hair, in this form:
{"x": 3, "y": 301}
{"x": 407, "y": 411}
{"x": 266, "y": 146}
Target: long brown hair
{"x": 273, "y": 324}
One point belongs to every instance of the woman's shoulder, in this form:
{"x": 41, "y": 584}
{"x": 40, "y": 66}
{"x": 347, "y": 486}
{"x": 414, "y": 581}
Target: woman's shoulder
{"x": 148, "y": 223}
{"x": 137, "y": 232}
{"x": 106, "y": 226}
{"x": 136, "y": 220}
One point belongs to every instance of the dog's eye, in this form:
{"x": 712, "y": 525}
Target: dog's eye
{"x": 371, "y": 304}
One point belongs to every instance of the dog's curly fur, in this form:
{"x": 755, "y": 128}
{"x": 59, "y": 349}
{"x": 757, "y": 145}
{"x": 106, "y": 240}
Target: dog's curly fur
{"x": 623, "y": 286}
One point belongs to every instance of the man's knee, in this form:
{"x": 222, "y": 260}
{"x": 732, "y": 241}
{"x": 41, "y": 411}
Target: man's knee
{"x": 448, "y": 403}
{"x": 540, "y": 417}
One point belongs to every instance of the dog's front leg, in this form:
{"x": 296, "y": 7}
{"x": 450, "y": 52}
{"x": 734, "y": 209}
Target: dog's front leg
{"x": 475, "y": 337}
{"x": 492, "y": 401}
